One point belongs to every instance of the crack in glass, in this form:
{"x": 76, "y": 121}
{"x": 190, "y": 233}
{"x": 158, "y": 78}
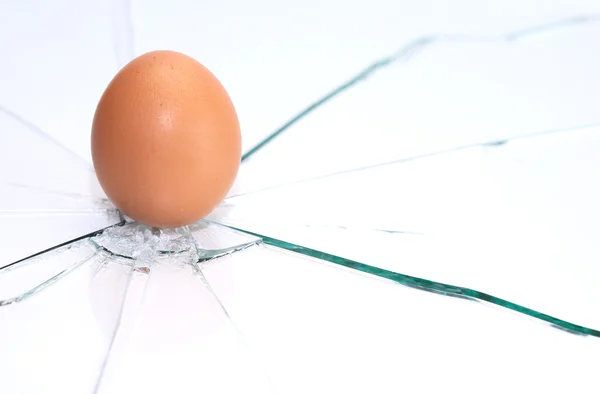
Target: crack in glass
{"x": 120, "y": 269}
{"x": 428, "y": 285}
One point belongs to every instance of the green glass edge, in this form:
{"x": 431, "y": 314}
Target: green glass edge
{"x": 425, "y": 284}
{"x": 412, "y": 48}
{"x": 353, "y": 81}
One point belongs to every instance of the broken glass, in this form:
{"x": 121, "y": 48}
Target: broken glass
{"x": 429, "y": 224}
{"x": 45, "y": 190}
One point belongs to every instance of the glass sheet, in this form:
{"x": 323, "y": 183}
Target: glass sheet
{"x": 142, "y": 322}
{"x": 516, "y": 220}
{"x": 437, "y": 94}
{"x": 275, "y": 58}
{"x": 176, "y": 337}
{"x": 427, "y": 225}
{"x": 325, "y": 329}
{"x": 56, "y": 326}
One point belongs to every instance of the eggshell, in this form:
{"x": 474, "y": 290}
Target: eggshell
{"x": 166, "y": 141}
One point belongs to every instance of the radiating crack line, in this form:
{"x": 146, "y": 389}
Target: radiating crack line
{"x": 114, "y": 334}
{"x": 94, "y": 233}
{"x": 37, "y": 130}
{"x": 332, "y": 226}
{"x": 214, "y": 254}
{"x": 414, "y": 47}
{"x": 361, "y": 76}
{"x": 47, "y": 283}
{"x": 424, "y": 284}
{"x": 358, "y": 228}
{"x": 206, "y": 283}
{"x": 202, "y": 277}
{"x": 79, "y": 196}
{"x": 552, "y": 26}
{"x": 492, "y": 143}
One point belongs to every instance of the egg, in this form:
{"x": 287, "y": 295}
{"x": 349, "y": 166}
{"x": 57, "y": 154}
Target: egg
{"x": 166, "y": 143}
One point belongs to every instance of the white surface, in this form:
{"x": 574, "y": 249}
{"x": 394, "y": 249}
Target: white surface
{"x": 317, "y": 328}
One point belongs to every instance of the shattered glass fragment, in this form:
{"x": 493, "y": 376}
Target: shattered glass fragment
{"x": 143, "y": 244}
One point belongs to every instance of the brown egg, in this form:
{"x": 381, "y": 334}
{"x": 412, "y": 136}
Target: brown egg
{"x": 166, "y": 140}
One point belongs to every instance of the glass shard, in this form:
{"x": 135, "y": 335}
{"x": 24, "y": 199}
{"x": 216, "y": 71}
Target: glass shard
{"x": 142, "y": 243}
